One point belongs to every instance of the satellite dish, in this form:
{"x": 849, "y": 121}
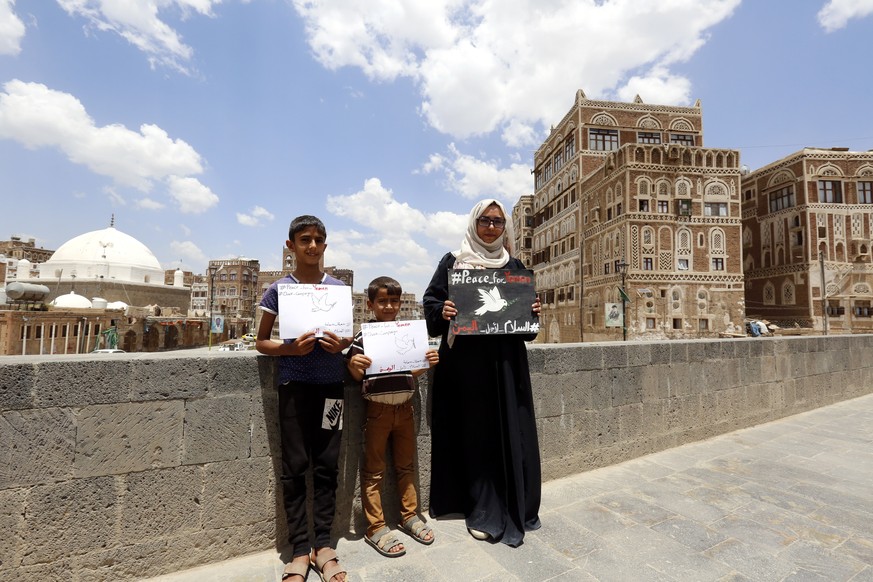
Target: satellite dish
{"x": 744, "y": 170}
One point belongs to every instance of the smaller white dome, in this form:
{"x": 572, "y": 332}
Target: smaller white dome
{"x": 117, "y": 305}
{"x": 72, "y": 301}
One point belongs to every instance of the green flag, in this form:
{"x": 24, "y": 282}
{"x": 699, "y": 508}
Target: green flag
{"x": 624, "y": 296}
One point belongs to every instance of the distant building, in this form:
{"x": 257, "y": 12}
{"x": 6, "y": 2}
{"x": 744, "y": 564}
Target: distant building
{"x": 522, "y": 222}
{"x": 15, "y": 248}
{"x": 631, "y": 184}
{"x": 102, "y": 289}
{"x": 808, "y": 214}
{"x": 233, "y": 291}
{"x": 111, "y": 265}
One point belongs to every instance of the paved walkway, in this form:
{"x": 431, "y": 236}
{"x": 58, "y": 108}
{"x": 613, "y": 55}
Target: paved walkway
{"x": 788, "y": 500}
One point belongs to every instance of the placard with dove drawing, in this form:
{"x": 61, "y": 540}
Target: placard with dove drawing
{"x": 316, "y": 308}
{"x": 395, "y": 346}
{"x": 493, "y": 301}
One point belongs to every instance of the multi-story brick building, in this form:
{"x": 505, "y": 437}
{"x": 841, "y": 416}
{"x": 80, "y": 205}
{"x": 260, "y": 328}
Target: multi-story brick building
{"x": 15, "y": 248}
{"x": 522, "y": 223}
{"x": 807, "y": 227}
{"x": 233, "y": 292}
{"x": 631, "y": 185}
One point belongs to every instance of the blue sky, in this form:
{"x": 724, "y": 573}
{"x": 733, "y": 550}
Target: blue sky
{"x": 204, "y": 126}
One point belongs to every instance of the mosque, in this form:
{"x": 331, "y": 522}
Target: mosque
{"x": 100, "y": 289}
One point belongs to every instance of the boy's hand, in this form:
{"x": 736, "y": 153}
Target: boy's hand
{"x": 537, "y": 306}
{"x": 332, "y": 343}
{"x": 359, "y": 363}
{"x": 302, "y": 345}
{"x": 433, "y": 357}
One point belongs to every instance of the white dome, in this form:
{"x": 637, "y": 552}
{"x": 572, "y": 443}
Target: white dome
{"x": 71, "y": 301}
{"x": 103, "y": 254}
{"x": 116, "y": 305}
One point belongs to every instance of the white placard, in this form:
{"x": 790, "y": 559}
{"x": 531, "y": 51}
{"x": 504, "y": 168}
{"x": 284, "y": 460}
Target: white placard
{"x": 316, "y": 308}
{"x": 395, "y": 346}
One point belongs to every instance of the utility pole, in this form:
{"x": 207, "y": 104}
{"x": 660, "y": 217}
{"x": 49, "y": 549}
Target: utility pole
{"x": 622, "y": 267}
{"x": 824, "y": 294}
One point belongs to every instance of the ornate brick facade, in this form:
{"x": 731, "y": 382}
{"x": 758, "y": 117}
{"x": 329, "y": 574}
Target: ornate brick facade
{"x": 804, "y": 216}
{"x": 630, "y": 183}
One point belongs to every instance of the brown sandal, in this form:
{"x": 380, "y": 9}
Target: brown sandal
{"x": 293, "y": 568}
{"x": 326, "y": 563}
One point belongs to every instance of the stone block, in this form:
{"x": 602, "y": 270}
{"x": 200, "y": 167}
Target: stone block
{"x": 217, "y": 429}
{"x": 650, "y": 382}
{"x": 660, "y": 353}
{"x": 68, "y": 519}
{"x": 160, "y": 503}
{"x": 16, "y": 386}
{"x": 125, "y": 438}
{"x": 630, "y": 422}
{"x": 679, "y": 379}
{"x": 615, "y": 357}
{"x": 233, "y": 375}
{"x": 536, "y": 358}
{"x": 606, "y": 426}
{"x": 601, "y": 389}
{"x": 170, "y": 379}
{"x": 591, "y": 357}
{"x": 265, "y": 424}
{"x": 557, "y": 436}
{"x": 238, "y": 493}
{"x": 38, "y": 446}
{"x": 562, "y": 360}
{"x": 12, "y": 511}
{"x": 626, "y": 386}
{"x": 639, "y": 354}
{"x": 678, "y": 352}
{"x": 148, "y": 559}
{"x": 82, "y": 382}
{"x": 697, "y": 351}
{"x": 653, "y": 417}
{"x": 58, "y": 571}
{"x": 584, "y": 431}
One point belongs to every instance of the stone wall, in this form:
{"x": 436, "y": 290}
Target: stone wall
{"x": 120, "y": 468}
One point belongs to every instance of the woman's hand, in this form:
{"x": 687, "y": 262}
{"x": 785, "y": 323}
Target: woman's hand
{"x": 537, "y": 306}
{"x": 449, "y": 310}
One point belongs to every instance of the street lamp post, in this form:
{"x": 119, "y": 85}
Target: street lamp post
{"x": 213, "y": 271}
{"x": 622, "y": 268}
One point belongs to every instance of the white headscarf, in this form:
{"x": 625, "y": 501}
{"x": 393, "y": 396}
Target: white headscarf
{"x": 474, "y": 251}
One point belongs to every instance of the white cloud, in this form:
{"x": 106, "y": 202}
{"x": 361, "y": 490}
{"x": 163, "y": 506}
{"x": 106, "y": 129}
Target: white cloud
{"x": 475, "y": 178}
{"x": 254, "y": 217}
{"x": 11, "y": 29}
{"x": 36, "y": 116}
{"x": 191, "y": 196}
{"x": 837, "y": 13}
{"x": 188, "y": 250}
{"x": 139, "y": 23}
{"x": 484, "y": 66}
{"x": 392, "y": 237}
{"x": 149, "y": 204}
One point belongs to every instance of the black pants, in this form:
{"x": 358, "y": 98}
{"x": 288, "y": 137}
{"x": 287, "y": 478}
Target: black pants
{"x": 310, "y": 421}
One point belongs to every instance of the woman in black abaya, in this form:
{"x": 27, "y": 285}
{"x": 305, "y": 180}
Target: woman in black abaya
{"x": 485, "y": 461}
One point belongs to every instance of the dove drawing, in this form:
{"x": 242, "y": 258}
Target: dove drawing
{"x": 491, "y": 301}
{"x": 404, "y": 344}
{"x": 319, "y": 303}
